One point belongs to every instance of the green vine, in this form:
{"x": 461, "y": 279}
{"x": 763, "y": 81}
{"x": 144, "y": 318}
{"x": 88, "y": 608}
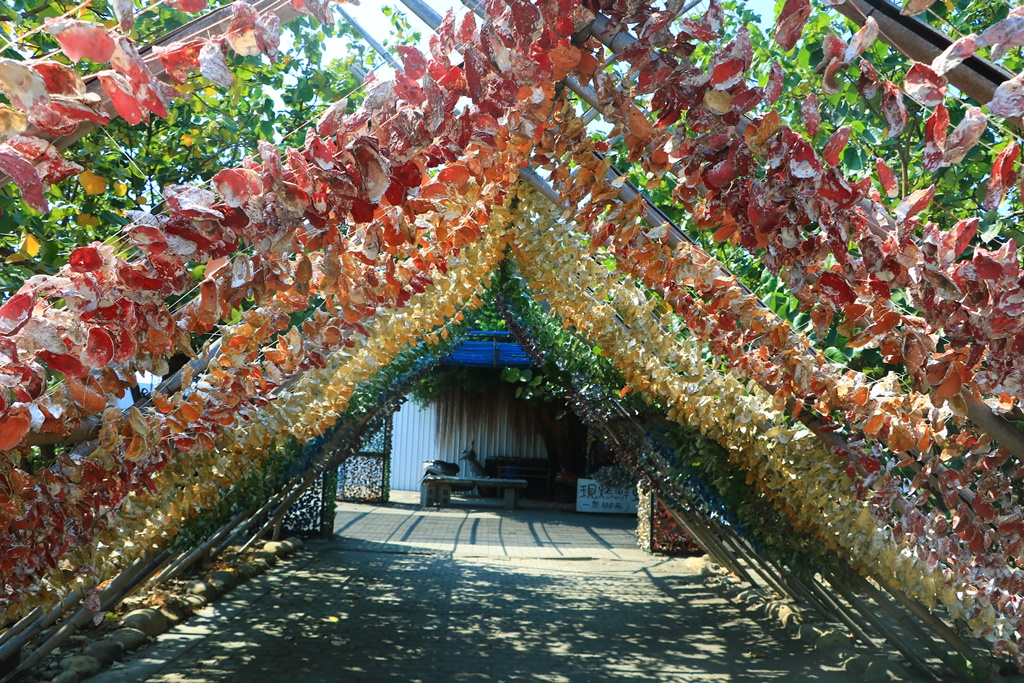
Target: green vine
{"x": 697, "y": 459}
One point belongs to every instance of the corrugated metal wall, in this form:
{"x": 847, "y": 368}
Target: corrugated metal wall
{"x": 414, "y": 440}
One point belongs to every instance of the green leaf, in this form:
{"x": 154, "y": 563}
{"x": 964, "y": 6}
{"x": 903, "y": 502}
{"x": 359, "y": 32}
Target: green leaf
{"x": 990, "y": 232}
{"x": 834, "y": 354}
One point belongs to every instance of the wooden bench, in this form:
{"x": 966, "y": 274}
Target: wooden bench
{"x": 437, "y": 490}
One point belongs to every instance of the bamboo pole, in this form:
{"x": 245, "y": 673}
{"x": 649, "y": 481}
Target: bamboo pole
{"x": 939, "y": 627}
{"x": 822, "y": 608}
{"x": 21, "y": 625}
{"x": 736, "y": 551}
{"x": 282, "y": 509}
{"x": 317, "y": 470}
{"x": 424, "y": 12}
{"x": 976, "y": 76}
{"x": 161, "y": 575}
{"x": 786, "y": 576}
{"x": 752, "y": 560}
{"x": 117, "y": 588}
{"x": 186, "y": 560}
{"x": 836, "y": 610}
{"x": 159, "y": 562}
{"x": 908, "y": 621}
{"x": 711, "y": 546}
{"x": 284, "y": 503}
{"x": 850, "y": 610}
{"x": 978, "y": 412}
{"x": 205, "y": 26}
{"x": 237, "y": 533}
{"x": 17, "y": 642}
{"x": 884, "y": 629}
{"x": 90, "y": 427}
{"x": 371, "y": 41}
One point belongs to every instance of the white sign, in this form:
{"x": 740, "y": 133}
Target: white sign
{"x": 592, "y": 497}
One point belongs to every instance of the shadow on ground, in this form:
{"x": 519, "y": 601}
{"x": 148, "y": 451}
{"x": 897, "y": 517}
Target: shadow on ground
{"x": 399, "y": 602}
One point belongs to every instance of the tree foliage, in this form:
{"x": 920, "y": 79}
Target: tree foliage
{"x": 210, "y": 129}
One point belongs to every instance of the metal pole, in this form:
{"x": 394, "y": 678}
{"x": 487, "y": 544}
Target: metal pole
{"x": 424, "y": 12}
{"x": 378, "y": 48}
{"x": 976, "y": 77}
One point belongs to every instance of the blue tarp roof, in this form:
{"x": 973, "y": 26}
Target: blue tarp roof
{"x": 488, "y": 349}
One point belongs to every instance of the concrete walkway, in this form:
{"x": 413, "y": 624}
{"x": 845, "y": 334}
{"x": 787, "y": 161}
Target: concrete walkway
{"x": 406, "y": 595}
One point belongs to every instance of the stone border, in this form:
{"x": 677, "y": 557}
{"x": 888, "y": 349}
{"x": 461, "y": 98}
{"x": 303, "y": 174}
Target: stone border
{"x": 139, "y": 626}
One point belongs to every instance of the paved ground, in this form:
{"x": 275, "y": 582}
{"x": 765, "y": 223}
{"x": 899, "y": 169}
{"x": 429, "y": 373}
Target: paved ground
{"x": 403, "y": 595}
